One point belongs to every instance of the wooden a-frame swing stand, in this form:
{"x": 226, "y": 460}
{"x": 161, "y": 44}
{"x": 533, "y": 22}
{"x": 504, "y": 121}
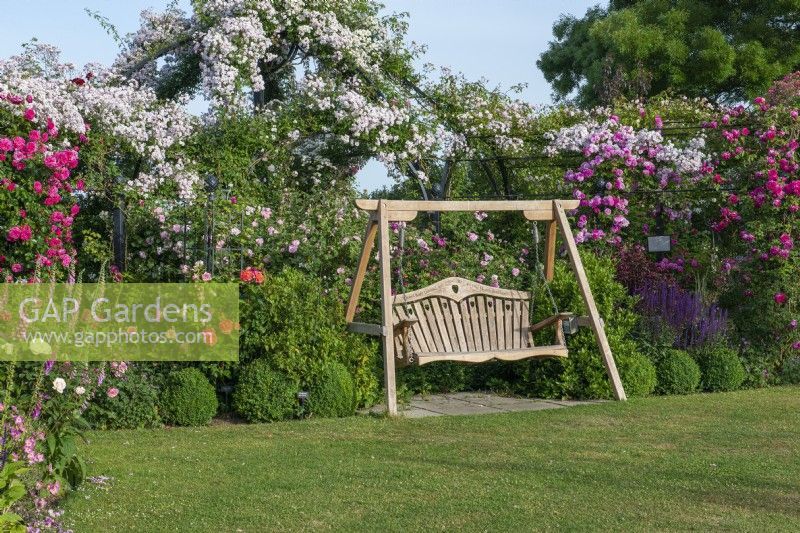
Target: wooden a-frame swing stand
{"x": 457, "y": 319}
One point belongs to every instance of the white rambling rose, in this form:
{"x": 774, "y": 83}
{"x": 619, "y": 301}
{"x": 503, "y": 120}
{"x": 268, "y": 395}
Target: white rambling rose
{"x": 59, "y": 385}
{"x": 79, "y": 391}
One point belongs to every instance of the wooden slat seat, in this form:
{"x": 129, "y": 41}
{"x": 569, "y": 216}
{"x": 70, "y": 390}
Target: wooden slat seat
{"x": 456, "y": 319}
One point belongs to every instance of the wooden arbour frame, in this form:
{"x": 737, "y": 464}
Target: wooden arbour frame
{"x": 381, "y": 212}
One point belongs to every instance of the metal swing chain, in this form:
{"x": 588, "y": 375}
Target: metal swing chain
{"x": 401, "y": 276}
{"x": 539, "y": 267}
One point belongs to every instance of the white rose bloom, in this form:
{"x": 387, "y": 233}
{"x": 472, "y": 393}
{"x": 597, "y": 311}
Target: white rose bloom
{"x": 59, "y": 385}
{"x": 79, "y": 391}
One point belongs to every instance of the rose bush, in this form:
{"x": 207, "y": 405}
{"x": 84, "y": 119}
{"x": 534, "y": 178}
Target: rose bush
{"x": 37, "y": 206}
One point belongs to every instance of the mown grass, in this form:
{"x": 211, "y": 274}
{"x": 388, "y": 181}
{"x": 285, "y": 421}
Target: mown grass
{"x": 722, "y": 461}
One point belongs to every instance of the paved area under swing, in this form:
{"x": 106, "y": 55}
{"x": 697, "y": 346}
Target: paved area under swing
{"x": 474, "y": 403}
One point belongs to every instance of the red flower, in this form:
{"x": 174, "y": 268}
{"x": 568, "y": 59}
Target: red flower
{"x": 78, "y": 81}
{"x": 252, "y": 274}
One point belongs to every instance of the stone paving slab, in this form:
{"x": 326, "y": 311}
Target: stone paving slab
{"x": 474, "y": 403}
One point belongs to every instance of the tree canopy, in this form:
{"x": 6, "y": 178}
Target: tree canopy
{"x": 726, "y": 50}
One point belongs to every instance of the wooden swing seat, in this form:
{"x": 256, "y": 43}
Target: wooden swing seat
{"x": 456, "y": 319}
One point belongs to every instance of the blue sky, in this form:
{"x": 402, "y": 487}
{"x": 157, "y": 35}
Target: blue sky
{"x": 499, "y": 40}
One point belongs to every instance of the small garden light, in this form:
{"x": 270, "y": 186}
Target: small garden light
{"x": 302, "y": 396}
{"x": 211, "y": 183}
{"x": 226, "y": 390}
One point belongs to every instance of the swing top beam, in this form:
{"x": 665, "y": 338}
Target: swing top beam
{"x": 406, "y": 210}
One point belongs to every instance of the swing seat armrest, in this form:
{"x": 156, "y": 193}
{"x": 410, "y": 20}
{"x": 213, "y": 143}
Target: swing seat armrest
{"x": 549, "y": 321}
{"x": 403, "y": 325}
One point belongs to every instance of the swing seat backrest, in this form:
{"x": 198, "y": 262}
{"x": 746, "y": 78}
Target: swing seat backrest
{"x": 456, "y": 319}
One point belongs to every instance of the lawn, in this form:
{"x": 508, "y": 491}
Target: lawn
{"x": 668, "y": 463}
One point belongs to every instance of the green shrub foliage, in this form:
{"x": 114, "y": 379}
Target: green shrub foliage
{"x": 297, "y": 328}
{"x": 188, "y": 399}
{"x": 638, "y": 374}
{"x": 135, "y": 407}
{"x": 791, "y": 371}
{"x": 582, "y": 374}
{"x": 677, "y": 373}
{"x": 334, "y": 394}
{"x": 264, "y": 394}
{"x": 438, "y": 377}
{"x": 721, "y": 368}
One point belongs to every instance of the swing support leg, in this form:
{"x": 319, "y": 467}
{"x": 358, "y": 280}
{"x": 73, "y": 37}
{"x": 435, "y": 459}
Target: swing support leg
{"x": 586, "y": 292}
{"x": 358, "y": 279}
{"x": 386, "y": 311}
{"x": 550, "y": 251}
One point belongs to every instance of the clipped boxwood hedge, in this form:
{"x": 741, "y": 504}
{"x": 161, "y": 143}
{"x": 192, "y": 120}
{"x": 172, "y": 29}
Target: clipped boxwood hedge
{"x": 188, "y": 399}
{"x": 638, "y": 375}
{"x": 264, "y": 394}
{"x": 721, "y": 368}
{"x": 334, "y": 395}
{"x": 677, "y": 373}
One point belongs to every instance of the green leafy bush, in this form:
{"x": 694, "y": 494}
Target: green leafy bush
{"x": 334, "y": 393}
{"x": 438, "y": 377}
{"x": 638, "y": 375}
{"x": 294, "y": 325}
{"x": 582, "y": 374}
{"x": 762, "y": 364}
{"x": 135, "y": 407}
{"x": 264, "y": 394}
{"x": 721, "y": 368}
{"x": 12, "y": 490}
{"x": 791, "y": 370}
{"x": 188, "y": 399}
{"x": 677, "y": 373}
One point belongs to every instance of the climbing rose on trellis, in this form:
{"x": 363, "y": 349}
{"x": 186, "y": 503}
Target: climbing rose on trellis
{"x": 621, "y": 159}
{"x": 133, "y": 116}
